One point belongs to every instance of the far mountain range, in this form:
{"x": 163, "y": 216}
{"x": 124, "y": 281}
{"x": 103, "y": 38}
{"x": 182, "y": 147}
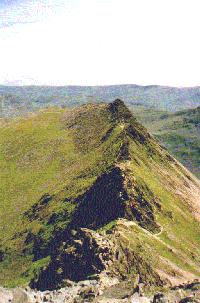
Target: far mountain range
{"x": 18, "y": 99}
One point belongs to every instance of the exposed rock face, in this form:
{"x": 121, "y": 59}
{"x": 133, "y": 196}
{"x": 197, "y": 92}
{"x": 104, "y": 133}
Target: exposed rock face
{"x": 100, "y": 205}
{"x": 96, "y": 292}
{"x": 82, "y": 252}
{"x": 88, "y": 253}
{"x": 114, "y": 195}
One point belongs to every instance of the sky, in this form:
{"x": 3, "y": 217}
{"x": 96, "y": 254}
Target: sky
{"x": 99, "y": 42}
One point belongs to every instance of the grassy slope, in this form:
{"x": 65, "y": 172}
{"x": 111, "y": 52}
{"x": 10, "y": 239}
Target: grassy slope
{"x": 179, "y": 132}
{"x": 181, "y": 231}
{"x": 179, "y": 240}
{"x": 60, "y": 152}
{"x": 38, "y": 156}
{"x": 33, "y": 153}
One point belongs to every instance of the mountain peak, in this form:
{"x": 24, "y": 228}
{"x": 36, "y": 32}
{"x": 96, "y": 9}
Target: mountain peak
{"x": 120, "y": 111}
{"x": 118, "y": 102}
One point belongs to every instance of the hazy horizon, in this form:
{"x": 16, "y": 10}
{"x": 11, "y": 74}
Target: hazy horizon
{"x": 101, "y": 85}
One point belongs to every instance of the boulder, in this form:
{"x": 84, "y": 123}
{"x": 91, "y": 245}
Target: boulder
{"x": 20, "y": 296}
{"x": 136, "y": 298}
{"x": 5, "y": 295}
{"x": 160, "y": 298}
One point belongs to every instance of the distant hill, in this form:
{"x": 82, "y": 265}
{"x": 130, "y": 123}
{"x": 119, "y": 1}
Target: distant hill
{"x": 17, "y": 100}
{"x": 89, "y": 193}
{"x": 179, "y": 132}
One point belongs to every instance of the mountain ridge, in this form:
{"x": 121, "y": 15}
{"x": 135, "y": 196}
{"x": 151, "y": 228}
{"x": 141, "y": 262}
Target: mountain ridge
{"x": 110, "y": 177}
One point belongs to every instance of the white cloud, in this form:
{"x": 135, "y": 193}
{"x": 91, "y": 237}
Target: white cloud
{"x": 105, "y": 42}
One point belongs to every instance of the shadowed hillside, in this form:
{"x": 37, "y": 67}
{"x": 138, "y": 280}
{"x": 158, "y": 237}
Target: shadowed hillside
{"x": 88, "y": 191}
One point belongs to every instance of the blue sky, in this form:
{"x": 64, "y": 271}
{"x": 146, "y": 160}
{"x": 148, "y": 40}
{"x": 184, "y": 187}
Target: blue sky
{"x": 15, "y": 12}
{"x": 96, "y": 42}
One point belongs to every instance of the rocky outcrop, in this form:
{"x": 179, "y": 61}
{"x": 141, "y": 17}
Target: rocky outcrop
{"x": 87, "y": 253}
{"x": 95, "y": 292}
{"x": 115, "y": 194}
{"x": 103, "y": 202}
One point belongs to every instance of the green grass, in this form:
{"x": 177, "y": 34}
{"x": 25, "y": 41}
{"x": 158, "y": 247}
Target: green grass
{"x": 61, "y": 153}
{"x": 181, "y": 231}
{"x": 40, "y": 155}
{"x": 178, "y": 132}
{"x": 33, "y": 156}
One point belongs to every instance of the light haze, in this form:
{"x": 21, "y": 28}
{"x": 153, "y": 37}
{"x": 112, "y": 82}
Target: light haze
{"x": 100, "y": 42}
